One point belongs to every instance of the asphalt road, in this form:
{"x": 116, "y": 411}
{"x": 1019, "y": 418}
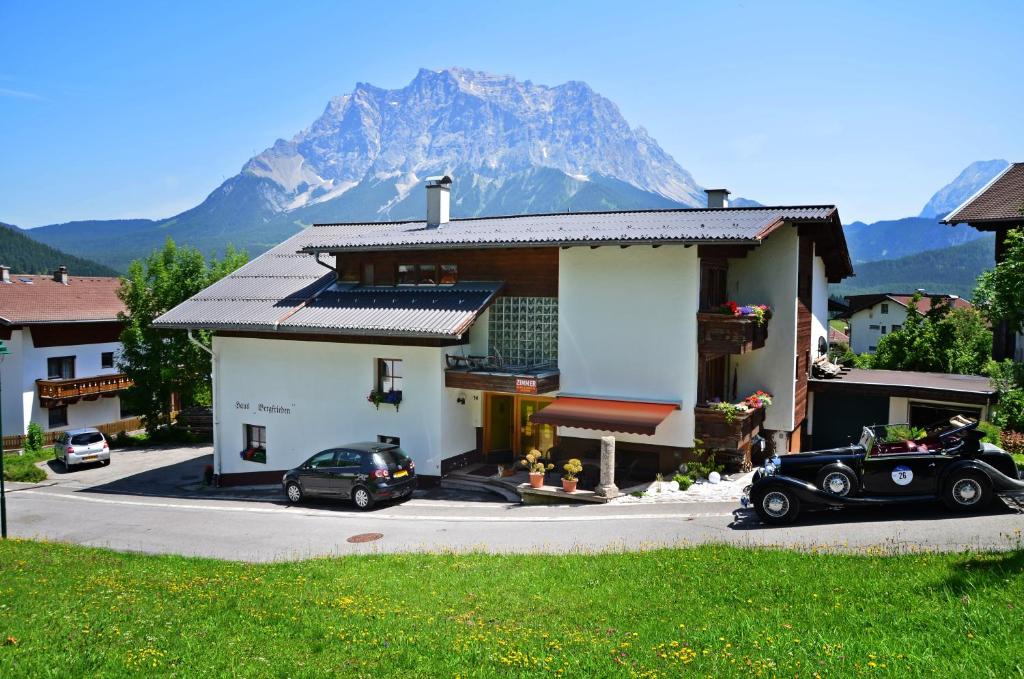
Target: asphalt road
{"x": 149, "y": 502}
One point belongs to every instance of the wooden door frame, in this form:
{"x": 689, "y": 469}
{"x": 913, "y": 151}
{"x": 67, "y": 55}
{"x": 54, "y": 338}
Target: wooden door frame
{"x": 517, "y": 399}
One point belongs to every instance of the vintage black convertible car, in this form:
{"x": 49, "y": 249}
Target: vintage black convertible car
{"x": 891, "y": 464}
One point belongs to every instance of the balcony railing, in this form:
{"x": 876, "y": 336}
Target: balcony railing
{"x": 723, "y": 334}
{"x": 61, "y": 392}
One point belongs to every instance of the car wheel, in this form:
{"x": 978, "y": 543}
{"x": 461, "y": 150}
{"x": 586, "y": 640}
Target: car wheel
{"x": 67, "y": 465}
{"x": 776, "y": 505}
{"x": 104, "y": 462}
{"x": 967, "y": 491}
{"x": 294, "y": 492}
{"x": 837, "y": 481}
{"x": 362, "y": 497}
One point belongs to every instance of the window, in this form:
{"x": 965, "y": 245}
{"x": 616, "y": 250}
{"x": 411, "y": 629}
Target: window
{"x": 872, "y": 327}
{"x": 350, "y": 458}
{"x": 872, "y": 348}
{"x": 393, "y": 440}
{"x": 389, "y": 375}
{"x": 885, "y": 308}
{"x": 60, "y": 368}
{"x": 896, "y": 327}
{"x": 86, "y": 439}
{"x": 323, "y": 459}
{"x": 883, "y": 329}
{"x": 58, "y": 417}
{"x": 713, "y": 281}
{"x": 427, "y": 275}
{"x": 255, "y": 443}
{"x": 406, "y": 274}
{"x": 107, "y": 359}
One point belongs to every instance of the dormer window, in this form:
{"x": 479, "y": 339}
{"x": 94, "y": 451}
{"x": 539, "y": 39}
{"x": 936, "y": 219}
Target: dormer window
{"x": 427, "y": 274}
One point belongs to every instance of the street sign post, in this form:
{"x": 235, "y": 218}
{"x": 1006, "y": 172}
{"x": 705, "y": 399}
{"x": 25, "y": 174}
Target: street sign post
{"x": 3, "y": 497}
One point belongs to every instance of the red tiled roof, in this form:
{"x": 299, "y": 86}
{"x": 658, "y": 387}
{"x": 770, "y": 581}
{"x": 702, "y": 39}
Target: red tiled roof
{"x": 1001, "y": 200}
{"x": 837, "y": 336}
{"x": 925, "y": 305}
{"x": 40, "y": 299}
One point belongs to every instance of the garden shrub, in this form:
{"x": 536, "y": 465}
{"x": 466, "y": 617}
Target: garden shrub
{"x": 684, "y": 481}
{"x": 34, "y": 438}
{"x": 1012, "y": 441}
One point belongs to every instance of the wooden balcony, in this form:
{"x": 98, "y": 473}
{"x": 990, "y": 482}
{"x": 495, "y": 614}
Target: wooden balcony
{"x": 736, "y": 436}
{"x": 503, "y": 382}
{"x": 63, "y": 392}
{"x": 722, "y": 334}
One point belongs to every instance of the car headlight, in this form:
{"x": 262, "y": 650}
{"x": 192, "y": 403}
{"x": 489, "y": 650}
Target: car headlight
{"x": 771, "y": 466}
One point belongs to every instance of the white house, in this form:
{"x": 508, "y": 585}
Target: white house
{"x": 873, "y": 316}
{"x": 62, "y": 334}
{"x": 482, "y": 339}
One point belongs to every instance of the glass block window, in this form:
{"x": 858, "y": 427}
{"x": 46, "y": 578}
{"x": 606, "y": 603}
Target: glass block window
{"x": 524, "y": 331}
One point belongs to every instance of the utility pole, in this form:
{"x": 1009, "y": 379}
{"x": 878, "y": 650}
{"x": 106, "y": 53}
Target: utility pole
{"x": 3, "y": 496}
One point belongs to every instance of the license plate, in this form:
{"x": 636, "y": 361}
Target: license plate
{"x": 401, "y": 473}
{"x": 89, "y": 458}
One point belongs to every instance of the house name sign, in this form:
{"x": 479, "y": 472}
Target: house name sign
{"x": 264, "y": 408}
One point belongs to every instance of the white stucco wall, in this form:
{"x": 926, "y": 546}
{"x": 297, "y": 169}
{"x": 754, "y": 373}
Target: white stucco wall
{"x": 862, "y": 337}
{"x": 627, "y": 329}
{"x": 324, "y": 386}
{"x": 12, "y": 375}
{"x": 768, "y": 275}
{"x": 819, "y": 303}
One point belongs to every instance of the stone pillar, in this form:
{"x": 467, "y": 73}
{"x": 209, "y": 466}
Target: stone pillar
{"x": 607, "y": 487}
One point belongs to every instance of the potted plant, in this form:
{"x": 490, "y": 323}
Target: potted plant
{"x": 390, "y": 397}
{"x": 569, "y": 481}
{"x": 537, "y": 467}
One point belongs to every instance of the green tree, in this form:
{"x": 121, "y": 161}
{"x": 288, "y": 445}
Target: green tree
{"x": 941, "y": 340}
{"x": 1000, "y": 292}
{"x": 163, "y": 362}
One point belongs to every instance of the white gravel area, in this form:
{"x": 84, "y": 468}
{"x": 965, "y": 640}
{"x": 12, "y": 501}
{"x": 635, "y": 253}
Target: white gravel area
{"x": 729, "y": 489}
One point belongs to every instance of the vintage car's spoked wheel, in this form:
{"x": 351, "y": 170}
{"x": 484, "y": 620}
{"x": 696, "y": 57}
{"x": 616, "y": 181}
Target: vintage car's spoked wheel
{"x": 967, "y": 492}
{"x": 776, "y": 505}
{"x": 837, "y": 480}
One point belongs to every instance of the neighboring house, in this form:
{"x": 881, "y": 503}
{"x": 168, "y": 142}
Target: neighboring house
{"x": 842, "y": 405}
{"x": 837, "y": 337}
{"x": 872, "y": 317}
{"x": 506, "y": 334}
{"x": 998, "y": 207}
{"x": 63, "y": 336}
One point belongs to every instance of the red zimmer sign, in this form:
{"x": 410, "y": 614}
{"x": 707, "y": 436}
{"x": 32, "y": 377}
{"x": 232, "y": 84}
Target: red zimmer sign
{"x": 526, "y": 385}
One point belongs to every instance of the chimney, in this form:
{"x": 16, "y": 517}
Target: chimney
{"x": 5, "y": 274}
{"x": 438, "y": 200}
{"x": 717, "y": 197}
{"x": 61, "y": 275}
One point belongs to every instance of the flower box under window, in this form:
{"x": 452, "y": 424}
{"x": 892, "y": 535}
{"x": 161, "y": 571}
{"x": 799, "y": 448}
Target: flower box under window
{"x": 723, "y": 334}
{"x": 717, "y": 430}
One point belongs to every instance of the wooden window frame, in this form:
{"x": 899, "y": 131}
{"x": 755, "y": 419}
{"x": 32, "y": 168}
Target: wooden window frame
{"x": 379, "y": 376}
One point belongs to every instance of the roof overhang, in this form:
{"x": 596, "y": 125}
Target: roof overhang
{"x": 630, "y": 417}
{"x": 506, "y": 245}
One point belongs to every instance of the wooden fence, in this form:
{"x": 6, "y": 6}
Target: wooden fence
{"x": 131, "y": 424}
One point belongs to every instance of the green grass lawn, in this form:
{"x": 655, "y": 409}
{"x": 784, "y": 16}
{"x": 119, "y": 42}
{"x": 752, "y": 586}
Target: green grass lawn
{"x": 23, "y": 467}
{"x": 707, "y": 611}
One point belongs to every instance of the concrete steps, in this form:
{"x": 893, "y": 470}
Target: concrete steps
{"x": 462, "y": 479}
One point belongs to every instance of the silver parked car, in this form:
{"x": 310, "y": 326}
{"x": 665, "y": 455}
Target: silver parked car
{"x": 81, "y": 446}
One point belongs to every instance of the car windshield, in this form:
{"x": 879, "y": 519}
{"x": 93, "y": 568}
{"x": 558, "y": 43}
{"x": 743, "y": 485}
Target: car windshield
{"x": 86, "y": 439}
{"x": 867, "y": 439}
{"x": 391, "y": 458}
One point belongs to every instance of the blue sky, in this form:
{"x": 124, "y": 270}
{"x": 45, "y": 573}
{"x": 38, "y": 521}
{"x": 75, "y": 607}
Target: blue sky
{"x": 125, "y": 109}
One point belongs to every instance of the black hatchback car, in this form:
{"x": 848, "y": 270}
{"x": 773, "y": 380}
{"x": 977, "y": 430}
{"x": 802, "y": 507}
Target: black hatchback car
{"x": 362, "y": 472}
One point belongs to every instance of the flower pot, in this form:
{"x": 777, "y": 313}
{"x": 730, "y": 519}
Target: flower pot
{"x": 569, "y": 486}
{"x": 536, "y": 479}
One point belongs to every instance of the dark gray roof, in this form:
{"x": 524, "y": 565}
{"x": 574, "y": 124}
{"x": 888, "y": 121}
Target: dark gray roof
{"x": 729, "y": 225}
{"x": 939, "y": 386}
{"x": 284, "y": 292}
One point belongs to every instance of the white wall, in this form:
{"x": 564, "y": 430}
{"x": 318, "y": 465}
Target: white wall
{"x": 627, "y": 329}
{"x": 819, "y": 303}
{"x": 862, "y": 337}
{"x": 768, "y": 275}
{"x": 324, "y": 385}
{"x": 12, "y": 374}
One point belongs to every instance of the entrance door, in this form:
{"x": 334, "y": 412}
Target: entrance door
{"x": 508, "y": 432}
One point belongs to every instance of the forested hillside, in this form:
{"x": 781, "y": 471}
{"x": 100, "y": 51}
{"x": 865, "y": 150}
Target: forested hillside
{"x": 25, "y": 255}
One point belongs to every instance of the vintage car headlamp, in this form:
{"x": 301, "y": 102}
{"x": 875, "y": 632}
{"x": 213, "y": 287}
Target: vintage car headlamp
{"x": 771, "y": 465}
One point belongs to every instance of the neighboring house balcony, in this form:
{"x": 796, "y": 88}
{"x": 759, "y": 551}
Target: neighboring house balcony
{"x": 66, "y": 391}
{"x": 721, "y": 334}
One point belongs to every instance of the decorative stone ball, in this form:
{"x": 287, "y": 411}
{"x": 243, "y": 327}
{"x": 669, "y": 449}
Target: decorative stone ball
{"x": 714, "y": 477}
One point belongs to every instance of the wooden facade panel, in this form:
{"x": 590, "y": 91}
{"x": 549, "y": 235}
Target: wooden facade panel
{"x": 503, "y": 383}
{"x": 527, "y": 272}
{"x": 805, "y": 274}
{"x": 59, "y": 334}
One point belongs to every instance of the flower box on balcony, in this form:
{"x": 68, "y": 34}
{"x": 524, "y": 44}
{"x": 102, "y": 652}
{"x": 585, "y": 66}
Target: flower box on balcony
{"x": 717, "y": 430}
{"x": 723, "y": 334}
